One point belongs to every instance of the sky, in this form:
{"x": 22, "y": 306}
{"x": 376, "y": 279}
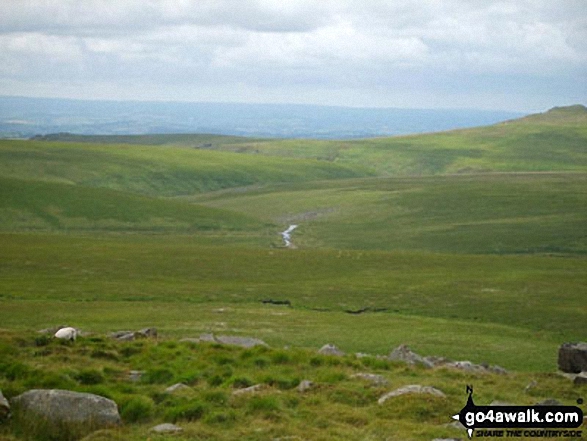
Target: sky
{"x": 517, "y": 55}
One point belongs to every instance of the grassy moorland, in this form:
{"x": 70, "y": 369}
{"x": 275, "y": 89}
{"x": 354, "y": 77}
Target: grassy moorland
{"x": 467, "y": 244}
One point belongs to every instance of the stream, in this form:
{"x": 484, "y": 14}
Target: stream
{"x": 287, "y": 235}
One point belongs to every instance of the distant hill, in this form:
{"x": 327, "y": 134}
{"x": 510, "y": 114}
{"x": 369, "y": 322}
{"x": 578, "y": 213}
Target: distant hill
{"x": 25, "y": 117}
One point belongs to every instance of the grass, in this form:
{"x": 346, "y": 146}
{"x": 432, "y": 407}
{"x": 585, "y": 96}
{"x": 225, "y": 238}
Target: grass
{"x": 467, "y": 244}
{"x": 481, "y": 213}
{"x": 337, "y": 407}
{"x": 541, "y": 294}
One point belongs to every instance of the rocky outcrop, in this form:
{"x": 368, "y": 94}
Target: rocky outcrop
{"x": 572, "y": 357}
{"x": 133, "y": 335}
{"x": 412, "y": 389}
{"x": 405, "y": 354}
{"x": 330, "y": 349}
{"x": 65, "y": 411}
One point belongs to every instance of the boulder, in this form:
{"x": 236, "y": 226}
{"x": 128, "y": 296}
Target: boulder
{"x": 549, "y": 402}
{"x": 4, "y": 407}
{"x": 374, "y": 379}
{"x": 572, "y": 357}
{"x": 249, "y": 390}
{"x": 329, "y": 349}
{"x": 412, "y": 389}
{"x": 405, "y": 354}
{"x": 123, "y": 335}
{"x": 305, "y": 385}
{"x": 580, "y": 379}
{"x": 166, "y": 428}
{"x": 65, "y": 412}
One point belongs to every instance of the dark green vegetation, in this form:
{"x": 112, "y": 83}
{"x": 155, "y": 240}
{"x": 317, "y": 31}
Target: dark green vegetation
{"x": 338, "y": 406}
{"x": 467, "y": 244}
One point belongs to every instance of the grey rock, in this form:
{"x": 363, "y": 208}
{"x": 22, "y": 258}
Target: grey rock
{"x": 135, "y": 376}
{"x": 243, "y": 342}
{"x": 405, "y": 354}
{"x": 249, "y": 390}
{"x": 4, "y": 407}
{"x": 79, "y": 412}
{"x": 412, "y": 389}
{"x": 580, "y": 379}
{"x": 147, "y": 333}
{"x": 374, "y": 379}
{"x": 447, "y": 439}
{"x": 530, "y": 386}
{"x": 177, "y": 387}
{"x": 166, "y": 428}
{"x": 123, "y": 335}
{"x": 330, "y": 349}
{"x": 572, "y": 357}
{"x": 305, "y": 385}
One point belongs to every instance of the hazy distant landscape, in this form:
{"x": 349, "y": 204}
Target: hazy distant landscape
{"x": 292, "y": 220}
{"x": 25, "y": 117}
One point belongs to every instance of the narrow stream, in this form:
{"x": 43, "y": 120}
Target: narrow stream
{"x": 287, "y": 235}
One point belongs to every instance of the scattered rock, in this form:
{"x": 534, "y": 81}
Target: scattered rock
{"x": 405, "y": 354}
{"x": 123, "y": 335}
{"x": 580, "y": 379}
{"x": 132, "y": 335}
{"x": 177, "y": 387}
{"x": 374, "y": 379}
{"x": 64, "y": 410}
{"x": 572, "y": 357}
{"x": 412, "y": 389}
{"x": 166, "y": 428}
{"x": 135, "y": 376}
{"x": 305, "y": 385}
{"x": 146, "y": 333}
{"x": 329, "y": 349}
{"x": 4, "y": 407}
{"x": 249, "y": 390}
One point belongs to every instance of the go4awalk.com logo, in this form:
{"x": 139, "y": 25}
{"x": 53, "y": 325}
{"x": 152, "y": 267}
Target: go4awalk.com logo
{"x": 518, "y": 421}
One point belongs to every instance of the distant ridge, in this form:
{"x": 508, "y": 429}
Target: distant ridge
{"x": 575, "y": 114}
{"x": 26, "y": 117}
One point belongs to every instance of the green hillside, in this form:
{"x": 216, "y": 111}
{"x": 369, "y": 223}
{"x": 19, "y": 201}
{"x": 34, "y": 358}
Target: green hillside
{"x": 155, "y": 170}
{"x": 38, "y": 205}
{"x": 554, "y": 140}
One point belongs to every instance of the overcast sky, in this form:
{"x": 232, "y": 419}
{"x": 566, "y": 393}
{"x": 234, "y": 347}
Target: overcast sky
{"x": 522, "y": 55}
